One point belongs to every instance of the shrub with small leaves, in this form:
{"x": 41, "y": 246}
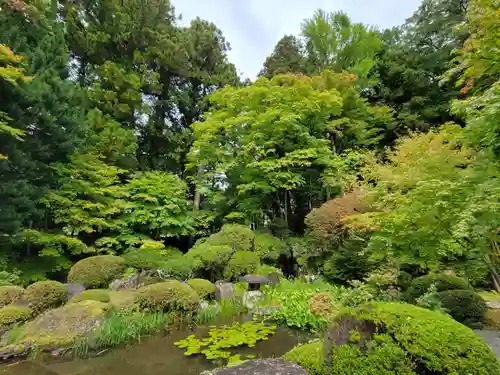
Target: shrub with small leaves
{"x": 10, "y": 294}
{"x": 97, "y": 271}
{"x": 242, "y": 263}
{"x": 204, "y": 288}
{"x": 14, "y": 314}
{"x": 421, "y": 285}
{"x": 309, "y": 356}
{"x": 168, "y": 296}
{"x": 45, "y": 295}
{"x": 465, "y": 306}
{"x": 100, "y": 295}
{"x": 322, "y": 305}
{"x": 178, "y": 266}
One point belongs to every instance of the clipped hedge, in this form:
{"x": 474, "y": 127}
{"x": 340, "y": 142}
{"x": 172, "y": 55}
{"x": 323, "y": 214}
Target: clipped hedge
{"x": 168, "y": 296}
{"x": 100, "y": 295}
{"x": 309, "y": 356}
{"x": 179, "y": 266}
{"x": 44, "y": 295}
{"x": 421, "y": 285}
{"x": 14, "y": 314}
{"x": 97, "y": 271}
{"x": 465, "y": 306}
{"x": 411, "y": 340}
{"x": 204, "y": 288}
{"x": 10, "y": 294}
{"x": 242, "y": 263}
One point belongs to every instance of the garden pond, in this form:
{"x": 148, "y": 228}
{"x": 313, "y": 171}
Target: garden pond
{"x": 156, "y": 355}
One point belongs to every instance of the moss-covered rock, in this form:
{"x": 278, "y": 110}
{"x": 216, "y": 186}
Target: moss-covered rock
{"x": 169, "y": 296}
{"x": 421, "y": 285}
{"x": 242, "y": 263}
{"x": 100, "y": 295}
{"x": 11, "y": 314}
{"x": 465, "y": 306}
{"x": 405, "y": 339}
{"x": 44, "y": 295}
{"x": 97, "y": 271}
{"x": 10, "y": 294}
{"x": 204, "y": 288}
{"x": 309, "y": 356}
{"x": 60, "y": 327}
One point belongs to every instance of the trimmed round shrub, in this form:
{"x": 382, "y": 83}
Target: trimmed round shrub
{"x": 44, "y": 295}
{"x": 465, "y": 306}
{"x": 204, "y": 288}
{"x": 242, "y": 263}
{"x": 168, "y": 296}
{"x": 100, "y": 295}
{"x": 10, "y": 294}
{"x": 209, "y": 260}
{"x": 97, "y": 271}
{"x": 421, "y": 285}
{"x": 309, "y": 356}
{"x": 405, "y": 339}
{"x": 14, "y": 314}
{"x": 179, "y": 267}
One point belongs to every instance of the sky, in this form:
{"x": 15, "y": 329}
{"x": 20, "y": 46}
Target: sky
{"x": 253, "y": 27}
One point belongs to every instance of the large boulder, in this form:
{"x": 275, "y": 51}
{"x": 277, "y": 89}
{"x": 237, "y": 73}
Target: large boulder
{"x": 277, "y": 366}
{"x": 74, "y": 289}
{"x": 60, "y": 327}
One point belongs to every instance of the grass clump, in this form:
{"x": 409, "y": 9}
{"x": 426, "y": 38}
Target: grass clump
{"x": 168, "y": 296}
{"x": 222, "y": 309}
{"x": 12, "y": 314}
{"x": 97, "y": 271}
{"x": 100, "y": 295}
{"x": 204, "y": 288}
{"x": 124, "y": 327}
{"x": 45, "y": 295}
{"x": 10, "y": 294}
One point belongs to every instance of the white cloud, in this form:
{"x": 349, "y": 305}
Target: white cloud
{"x": 253, "y": 27}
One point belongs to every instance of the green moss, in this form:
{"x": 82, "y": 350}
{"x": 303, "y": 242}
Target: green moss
{"x": 242, "y": 263}
{"x": 169, "y": 296}
{"x": 11, "y": 314}
{"x": 421, "y": 285}
{"x": 410, "y": 337}
{"x": 123, "y": 299}
{"x": 309, "y": 356}
{"x": 97, "y": 271}
{"x": 10, "y": 294}
{"x": 465, "y": 306}
{"x": 45, "y": 295}
{"x": 100, "y": 295}
{"x": 62, "y": 326}
{"x": 204, "y": 288}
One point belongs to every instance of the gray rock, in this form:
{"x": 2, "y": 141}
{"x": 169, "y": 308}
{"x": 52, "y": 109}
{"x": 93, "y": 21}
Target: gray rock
{"x": 277, "y": 366}
{"x": 74, "y": 289}
{"x": 120, "y": 284}
{"x": 251, "y": 297}
{"x": 224, "y": 290}
{"x": 495, "y": 305}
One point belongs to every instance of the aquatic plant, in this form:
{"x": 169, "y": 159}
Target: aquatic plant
{"x": 222, "y": 309}
{"x": 222, "y": 338}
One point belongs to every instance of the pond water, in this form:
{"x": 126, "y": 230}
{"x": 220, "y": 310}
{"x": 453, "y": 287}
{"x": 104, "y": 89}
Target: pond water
{"x": 156, "y": 355}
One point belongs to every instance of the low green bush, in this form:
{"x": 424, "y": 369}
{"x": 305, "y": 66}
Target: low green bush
{"x": 44, "y": 295}
{"x": 208, "y": 259}
{"x": 169, "y": 296}
{"x": 204, "y": 288}
{"x": 309, "y": 356}
{"x": 410, "y": 340}
{"x": 14, "y": 314}
{"x": 179, "y": 267}
{"x": 10, "y": 294}
{"x": 421, "y": 285}
{"x": 465, "y": 306}
{"x": 100, "y": 295}
{"x": 242, "y": 263}
{"x": 97, "y": 271}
